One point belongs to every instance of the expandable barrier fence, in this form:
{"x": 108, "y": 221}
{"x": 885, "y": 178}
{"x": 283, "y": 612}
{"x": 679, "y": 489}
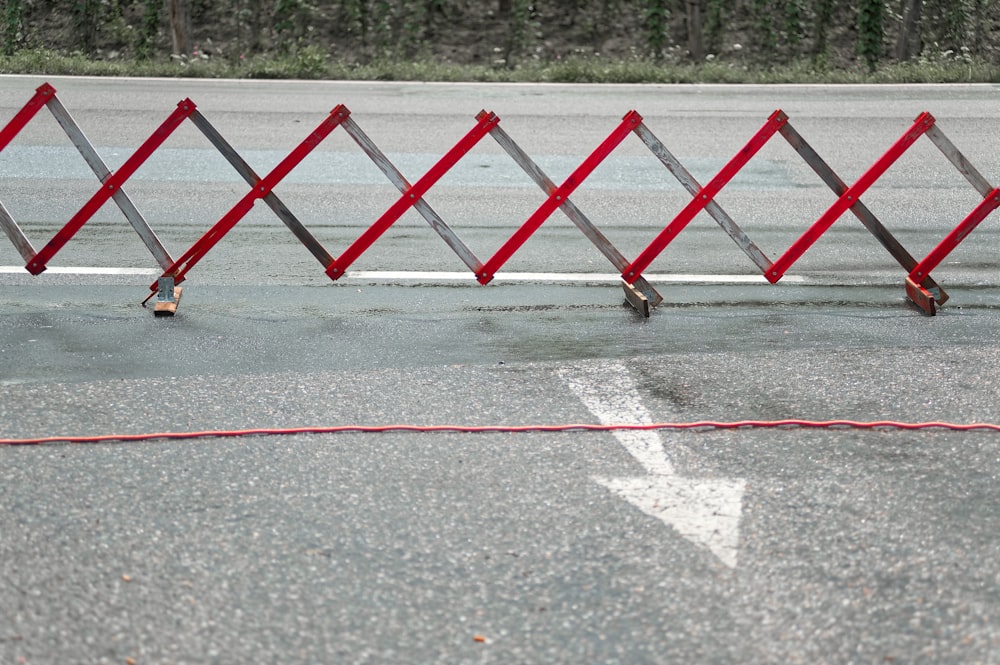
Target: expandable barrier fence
{"x": 920, "y": 287}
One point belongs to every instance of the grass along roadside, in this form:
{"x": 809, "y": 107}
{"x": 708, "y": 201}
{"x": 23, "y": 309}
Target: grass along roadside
{"x": 312, "y": 63}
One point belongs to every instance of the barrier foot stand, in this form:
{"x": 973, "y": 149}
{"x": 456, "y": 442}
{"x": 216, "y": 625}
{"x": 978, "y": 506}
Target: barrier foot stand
{"x": 167, "y": 298}
{"x": 637, "y": 299}
{"x": 920, "y": 297}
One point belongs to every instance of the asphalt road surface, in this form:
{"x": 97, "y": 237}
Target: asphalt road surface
{"x": 751, "y": 545}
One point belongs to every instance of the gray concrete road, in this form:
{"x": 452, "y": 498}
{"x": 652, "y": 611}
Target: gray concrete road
{"x": 751, "y": 545}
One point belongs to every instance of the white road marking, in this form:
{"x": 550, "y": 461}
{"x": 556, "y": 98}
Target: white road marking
{"x": 444, "y": 276}
{"x": 705, "y": 511}
{"x": 431, "y": 276}
{"x": 82, "y": 270}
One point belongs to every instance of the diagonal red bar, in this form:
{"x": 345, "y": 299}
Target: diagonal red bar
{"x": 923, "y": 122}
{"x": 705, "y": 196}
{"x": 957, "y": 235}
{"x": 42, "y": 95}
{"x": 261, "y": 189}
{"x": 184, "y": 108}
{"x": 557, "y": 197}
{"x": 486, "y": 122}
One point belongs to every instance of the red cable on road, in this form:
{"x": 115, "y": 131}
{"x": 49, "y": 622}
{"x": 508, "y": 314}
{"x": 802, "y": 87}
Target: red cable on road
{"x": 508, "y": 429}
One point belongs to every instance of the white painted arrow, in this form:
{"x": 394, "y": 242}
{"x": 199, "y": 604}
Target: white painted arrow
{"x": 704, "y": 511}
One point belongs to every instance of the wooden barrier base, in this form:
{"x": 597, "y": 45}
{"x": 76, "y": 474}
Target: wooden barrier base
{"x": 920, "y": 297}
{"x": 635, "y": 298}
{"x": 168, "y": 307}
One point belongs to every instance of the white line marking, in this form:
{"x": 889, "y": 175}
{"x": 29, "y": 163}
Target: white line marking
{"x": 82, "y": 270}
{"x": 705, "y": 511}
{"x": 441, "y": 276}
{"x": 430, "y": 276}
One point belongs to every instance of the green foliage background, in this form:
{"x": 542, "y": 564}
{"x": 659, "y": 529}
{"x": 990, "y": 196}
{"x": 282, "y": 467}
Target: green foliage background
{"x": 554, "y": 39}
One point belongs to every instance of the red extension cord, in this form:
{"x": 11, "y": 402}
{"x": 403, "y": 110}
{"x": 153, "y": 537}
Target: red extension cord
{"x": 509, "y": 429}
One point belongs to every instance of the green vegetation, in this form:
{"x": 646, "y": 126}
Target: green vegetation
{"x": 604, "y": 41}
{"x": 310, "y": 65}
{"x": 870, "y": 32}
